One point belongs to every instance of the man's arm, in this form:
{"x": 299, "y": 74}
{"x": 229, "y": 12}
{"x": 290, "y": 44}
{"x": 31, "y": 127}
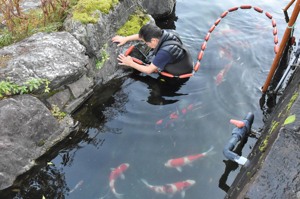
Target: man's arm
{"x": 122, "y": 40}
{"x": 127, "y": 61}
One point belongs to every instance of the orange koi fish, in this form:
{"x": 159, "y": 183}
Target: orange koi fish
{"x": 171, "y": 189}
{"x": 178, "y": 163}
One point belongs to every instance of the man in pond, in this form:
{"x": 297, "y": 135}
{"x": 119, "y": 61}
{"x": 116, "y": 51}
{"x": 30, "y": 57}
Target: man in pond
{"x": 169, "y": 54}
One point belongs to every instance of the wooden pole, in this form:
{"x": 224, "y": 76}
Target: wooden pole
{"x": 289, "y": 5}
{"x": 283, "y": 43}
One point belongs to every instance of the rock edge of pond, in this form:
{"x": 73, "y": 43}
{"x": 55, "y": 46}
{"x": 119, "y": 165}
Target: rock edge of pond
{"x": 274, "y": 166}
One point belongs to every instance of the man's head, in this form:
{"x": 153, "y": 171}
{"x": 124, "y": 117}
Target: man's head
{"x": 151, "y": 34}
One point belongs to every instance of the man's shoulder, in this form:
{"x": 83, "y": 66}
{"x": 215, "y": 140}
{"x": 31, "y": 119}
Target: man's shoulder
{"x": 163, "y": 53}
{"x": 162, "y": 58}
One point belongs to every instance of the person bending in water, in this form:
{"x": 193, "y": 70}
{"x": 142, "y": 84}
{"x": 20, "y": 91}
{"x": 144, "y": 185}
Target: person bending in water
{"x": 168, "y": 55}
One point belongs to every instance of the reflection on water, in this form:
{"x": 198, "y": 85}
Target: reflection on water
{"x": 160, "y": 88}
{"x": 142, "y": 121}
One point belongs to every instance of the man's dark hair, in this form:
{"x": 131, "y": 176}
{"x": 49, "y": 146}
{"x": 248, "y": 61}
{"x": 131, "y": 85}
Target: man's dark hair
{"x": 149, "y": 31}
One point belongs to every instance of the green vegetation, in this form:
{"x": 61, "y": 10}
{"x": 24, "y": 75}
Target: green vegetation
{"x": 265, "y": 142}
{"x": 85, "y": 10}
{"x": 57, "y": 113}
{"x": 48, "y": 18}
{"x": 290, "y": 119}
{"x": 104, "y": 57}
{"x": 8, "y": 88}
{"x": 133, "y": 25}
{"x": 19, "y": 25}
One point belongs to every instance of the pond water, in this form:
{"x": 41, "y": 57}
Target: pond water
{"x": 143, "y": 122}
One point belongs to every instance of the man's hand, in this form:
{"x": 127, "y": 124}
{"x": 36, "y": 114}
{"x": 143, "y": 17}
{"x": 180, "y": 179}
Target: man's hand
{"x": 119, "y": 39}
{"x": 125, "y": 60}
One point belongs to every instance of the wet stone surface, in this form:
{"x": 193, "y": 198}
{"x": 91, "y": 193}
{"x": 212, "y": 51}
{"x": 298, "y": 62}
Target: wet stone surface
{"x": 274, "y": 161}
{"x": 279, "y": 177}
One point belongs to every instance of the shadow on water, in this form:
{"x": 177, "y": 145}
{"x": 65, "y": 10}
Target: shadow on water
{"x": 47, "y": 179}
{"x": 103, "y": 105}
{"x": 160, "y": 88}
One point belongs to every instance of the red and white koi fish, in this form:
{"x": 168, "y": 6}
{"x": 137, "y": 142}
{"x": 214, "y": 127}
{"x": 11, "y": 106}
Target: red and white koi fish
{"x": 175, "y": 116}
{"x": 224, "y": 52}
{"x": 115, "y": 173}
{"x": 178, "y": 163}
{"x": 171, "y": 189}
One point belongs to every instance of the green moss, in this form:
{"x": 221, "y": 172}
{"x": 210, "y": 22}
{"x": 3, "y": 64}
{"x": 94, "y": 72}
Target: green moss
{"x": 264, "y": 144}
{"x": 293, "y": 99}
{"x": 248, "y": 174}
{"x": 84, "y": 11}
{"x": 41, "y": 143}
{"x": 273, "y": 127}
{"x": 134, "y": 24}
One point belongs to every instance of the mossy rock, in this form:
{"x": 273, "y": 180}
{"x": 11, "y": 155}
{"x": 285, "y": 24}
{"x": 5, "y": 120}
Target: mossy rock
{"x": 134, "y": 24}
{"x": 86, "y": 10}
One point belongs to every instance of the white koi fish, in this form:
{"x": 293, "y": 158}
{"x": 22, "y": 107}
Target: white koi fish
{"x": 171, "y": 189}
{"x": 178, "y": 163}
{"x": 78, "y": 185}
{"x": 115, "y": 173}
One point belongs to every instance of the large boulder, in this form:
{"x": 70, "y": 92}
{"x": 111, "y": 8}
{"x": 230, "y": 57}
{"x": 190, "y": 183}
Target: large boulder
{"x": 95, "y": 35}
{"x": 57, "y": 57}
{"x": 159, "y": 9}
{"x": 28, "y": 129}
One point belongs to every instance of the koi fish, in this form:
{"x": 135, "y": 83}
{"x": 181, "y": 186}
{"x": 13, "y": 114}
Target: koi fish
{"x": 220, "y": 77}
{"x": 78, "y": 185}
{"x": 171, "y": 189}
{"x": 226, "y": 30}
{"x": 225, "y": 52}
{"x": 178, "y": 163}
{"x": 174, "y": 116}
{"x": 115, "y": 173}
